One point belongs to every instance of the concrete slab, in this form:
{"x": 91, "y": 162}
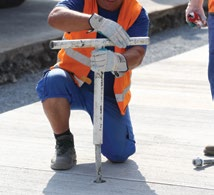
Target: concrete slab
{"x": 172, "y": 115}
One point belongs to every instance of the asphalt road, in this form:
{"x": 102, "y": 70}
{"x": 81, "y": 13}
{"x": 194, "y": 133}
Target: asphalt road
{"x": 163, "y": 45}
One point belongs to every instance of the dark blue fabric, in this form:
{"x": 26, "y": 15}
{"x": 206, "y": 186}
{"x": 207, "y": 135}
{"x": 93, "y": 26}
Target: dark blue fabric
{"x": 211, "y": 53}
{"x": 76, "y": 5}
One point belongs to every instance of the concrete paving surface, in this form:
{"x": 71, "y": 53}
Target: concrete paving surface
{"x": 172, "y": 115}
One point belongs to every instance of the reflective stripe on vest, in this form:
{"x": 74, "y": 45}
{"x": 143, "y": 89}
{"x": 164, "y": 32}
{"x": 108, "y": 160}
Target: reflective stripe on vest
{"x": 77, "y": 55}
{"x": 120, "y": 97}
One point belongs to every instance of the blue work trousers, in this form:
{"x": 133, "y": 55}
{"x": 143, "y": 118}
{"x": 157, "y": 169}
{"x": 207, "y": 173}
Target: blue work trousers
{"x": 211, "y": 53}
{"x": 118, "y": 138}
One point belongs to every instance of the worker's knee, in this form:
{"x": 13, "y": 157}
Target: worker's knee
{"x": 55, "y": 83}
{"x": 117, "y": 156}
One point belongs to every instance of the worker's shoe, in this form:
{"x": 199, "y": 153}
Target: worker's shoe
{"x": 209, "y": 151}
{"x": 65, "y": 154}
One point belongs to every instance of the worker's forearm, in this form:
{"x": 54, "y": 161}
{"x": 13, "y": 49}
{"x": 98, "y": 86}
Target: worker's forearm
{"x": 196, "y": 3}
{"x": 134, "y": 56}
{"x": 67, "y": 20}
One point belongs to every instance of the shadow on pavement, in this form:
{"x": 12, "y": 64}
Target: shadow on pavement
{"x": 118, "y": 177}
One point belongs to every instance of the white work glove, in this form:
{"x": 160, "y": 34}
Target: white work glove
{"x": 112, "y": 30}
{"x": 196, "y": 6}
{"x": 107, "y": 61}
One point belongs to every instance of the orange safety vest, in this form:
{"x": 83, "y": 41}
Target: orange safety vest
{"x": 211, "y": 6}
{"x": 129, "y": 12}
